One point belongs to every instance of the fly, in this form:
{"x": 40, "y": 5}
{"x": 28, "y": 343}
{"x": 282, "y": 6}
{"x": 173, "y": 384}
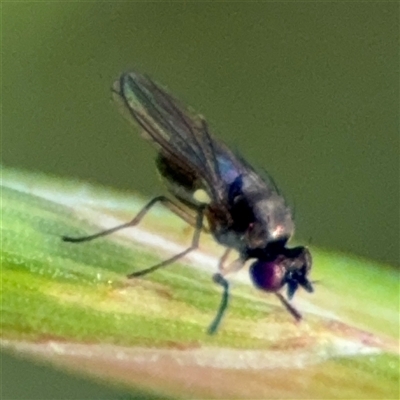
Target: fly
{"x": 208, "y": 182}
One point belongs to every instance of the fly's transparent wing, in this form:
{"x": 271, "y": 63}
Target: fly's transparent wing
{"x": 180, "y": 135}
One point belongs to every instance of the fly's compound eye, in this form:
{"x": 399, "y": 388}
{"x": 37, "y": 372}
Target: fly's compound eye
{"x": 267, "y": 275}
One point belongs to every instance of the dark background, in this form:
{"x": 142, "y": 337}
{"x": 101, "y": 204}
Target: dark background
{"x": 307, "y": 91}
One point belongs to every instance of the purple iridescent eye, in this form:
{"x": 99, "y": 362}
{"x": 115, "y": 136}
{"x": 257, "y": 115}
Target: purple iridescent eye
{"x": 267, "y": 275}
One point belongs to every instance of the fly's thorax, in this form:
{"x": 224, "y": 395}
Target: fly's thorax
{"x": 253, "y": 215}
{"x": 223, "y": 229}
{"x": 272, "y": 222}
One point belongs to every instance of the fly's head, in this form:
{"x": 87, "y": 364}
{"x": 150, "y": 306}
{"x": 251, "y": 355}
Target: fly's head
{"x": 276, "y": 269}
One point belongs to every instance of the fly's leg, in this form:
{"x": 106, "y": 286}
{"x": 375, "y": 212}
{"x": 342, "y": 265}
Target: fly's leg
{"x": 190, "y": 219}
{"x": 219, "y": 279}
{"x": 135, "y": 221}
{"x": 296, "y": 315}
{"x": 234, "y": 266}
{"x": 193, "y": 246}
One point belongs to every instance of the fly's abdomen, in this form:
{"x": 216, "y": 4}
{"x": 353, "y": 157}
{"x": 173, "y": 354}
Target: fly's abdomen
{"x": 182, "y": 182}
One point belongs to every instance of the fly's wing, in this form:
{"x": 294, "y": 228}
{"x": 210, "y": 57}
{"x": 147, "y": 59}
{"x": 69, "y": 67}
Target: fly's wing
{"x": 180, "y": 135}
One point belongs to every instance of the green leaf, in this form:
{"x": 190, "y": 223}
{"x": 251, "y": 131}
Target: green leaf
{"x": 72, "y": 304}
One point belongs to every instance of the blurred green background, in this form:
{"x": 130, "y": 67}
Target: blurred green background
{"x": 307, "y": 91}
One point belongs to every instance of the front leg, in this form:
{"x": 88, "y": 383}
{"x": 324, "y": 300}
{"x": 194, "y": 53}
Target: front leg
{"x": 219, "y": 279}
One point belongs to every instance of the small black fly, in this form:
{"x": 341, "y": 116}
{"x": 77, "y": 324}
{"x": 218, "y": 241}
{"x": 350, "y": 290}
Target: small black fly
{"x": 209, "y": 182}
